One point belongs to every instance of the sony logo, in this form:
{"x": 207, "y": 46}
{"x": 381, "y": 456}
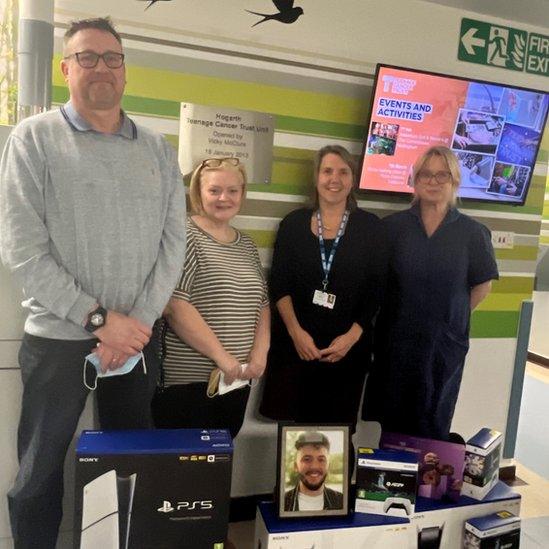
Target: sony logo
{"x": 86, "y": 460}
{"x": 167, "y": 506}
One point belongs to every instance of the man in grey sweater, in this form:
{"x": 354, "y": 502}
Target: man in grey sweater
{"x": 92, "y": 222}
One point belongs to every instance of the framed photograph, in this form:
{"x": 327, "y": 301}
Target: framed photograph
{"x": 313, "y": 470}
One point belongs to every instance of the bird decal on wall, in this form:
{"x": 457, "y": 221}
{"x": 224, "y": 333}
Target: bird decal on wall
{"x": 286, "y": 13}
{"x": 151, "y": 2}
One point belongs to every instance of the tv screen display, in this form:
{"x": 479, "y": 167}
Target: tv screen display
{"x": 495, "y": 131}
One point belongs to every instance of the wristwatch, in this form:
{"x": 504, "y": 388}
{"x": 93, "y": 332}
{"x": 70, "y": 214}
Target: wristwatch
{"x": 96, "y": 319}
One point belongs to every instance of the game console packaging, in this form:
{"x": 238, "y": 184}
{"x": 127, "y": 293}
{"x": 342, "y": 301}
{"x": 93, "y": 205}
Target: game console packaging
{"x": 355, "y": 531}
{"x": 441, "y": 464}
{"x": 441, "y": 524}
{"x": 386, "y": 482}
{"x": 499, "y": 530}
{"x": 435, "y": 524}
{"x": 151, "y": 489}
{"x": 482, "y": 454}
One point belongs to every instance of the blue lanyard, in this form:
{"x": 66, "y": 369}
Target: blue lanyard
{"x": 327, "y": 265}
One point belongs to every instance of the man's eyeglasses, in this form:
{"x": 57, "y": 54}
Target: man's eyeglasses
{"x": 441, "y": 178}
{"x": 217, "y": 162}
{"x": 89, "y": 59}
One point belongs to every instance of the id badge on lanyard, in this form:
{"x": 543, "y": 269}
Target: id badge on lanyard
{"x": 322, "y": 297}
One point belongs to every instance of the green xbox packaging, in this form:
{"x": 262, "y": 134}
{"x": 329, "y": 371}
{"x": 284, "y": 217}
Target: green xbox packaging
{"x": 499, "y": 530}
{"x": 152, "y": 489}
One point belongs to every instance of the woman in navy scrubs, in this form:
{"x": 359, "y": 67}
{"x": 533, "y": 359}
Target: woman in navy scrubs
{"x": 441, "y": 264}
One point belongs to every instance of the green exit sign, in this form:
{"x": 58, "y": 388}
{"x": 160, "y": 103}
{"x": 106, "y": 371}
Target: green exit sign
{"x": 504, "y": 47}
{"x": 537, "y": 60}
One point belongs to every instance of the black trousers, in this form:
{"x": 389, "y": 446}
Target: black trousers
{"x": 54, "y": 396}
{"x": 188, "y": 407}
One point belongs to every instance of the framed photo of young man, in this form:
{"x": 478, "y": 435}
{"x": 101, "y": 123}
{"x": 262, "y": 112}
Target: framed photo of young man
{"x": 313, "y": 470}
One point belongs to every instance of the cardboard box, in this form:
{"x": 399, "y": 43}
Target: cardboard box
{"x": 446, "y": 521}
{"x": 441, "y": 464}
{"x": 500, "y": 529}
{"x": 357, "y": 531}
{"x": 386, "y": 482}
{"x": 150, "y": 489}
{"x": 434, "y": 524}
{"x": 481, "y": 463}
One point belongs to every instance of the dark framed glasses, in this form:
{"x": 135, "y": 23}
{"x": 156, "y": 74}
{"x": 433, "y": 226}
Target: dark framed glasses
{"x": 442, "y": 177}
{"x": 89, "y": 59}
{"x": 217, "y": 162}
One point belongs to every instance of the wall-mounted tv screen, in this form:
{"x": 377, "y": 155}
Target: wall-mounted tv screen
{"x": 494, "y": 129}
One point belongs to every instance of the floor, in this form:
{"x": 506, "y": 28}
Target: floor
{"x": 532, "y": 448}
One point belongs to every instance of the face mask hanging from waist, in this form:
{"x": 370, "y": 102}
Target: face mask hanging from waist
{"x": 126, "y": 368}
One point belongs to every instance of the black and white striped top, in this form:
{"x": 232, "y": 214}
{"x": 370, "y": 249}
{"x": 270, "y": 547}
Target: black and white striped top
{"x": 225, "y": 282}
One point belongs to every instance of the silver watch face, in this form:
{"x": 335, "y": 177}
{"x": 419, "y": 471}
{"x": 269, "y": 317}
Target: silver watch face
{"x": 97, "y": 320}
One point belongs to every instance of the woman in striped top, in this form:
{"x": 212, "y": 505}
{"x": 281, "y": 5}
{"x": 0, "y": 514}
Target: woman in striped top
{"x": 218, "y": 316}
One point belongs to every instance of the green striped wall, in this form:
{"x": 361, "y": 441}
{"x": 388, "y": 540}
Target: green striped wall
{"x": 158, "y": 93}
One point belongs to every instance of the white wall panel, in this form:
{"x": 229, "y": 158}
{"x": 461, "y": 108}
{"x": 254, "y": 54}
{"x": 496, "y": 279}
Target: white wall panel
{"x": 484, "y": 396}
{"x": 13, "y": 317}
{"x": 8, "y": 353}
{"x": 10, "y": 406}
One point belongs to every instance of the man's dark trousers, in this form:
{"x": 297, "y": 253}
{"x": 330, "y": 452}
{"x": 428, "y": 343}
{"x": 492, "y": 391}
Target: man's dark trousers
{"x": 54, "y": 396}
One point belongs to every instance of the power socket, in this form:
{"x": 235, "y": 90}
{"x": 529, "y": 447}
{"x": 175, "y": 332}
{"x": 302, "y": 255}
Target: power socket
{"x": 503, "y": 239}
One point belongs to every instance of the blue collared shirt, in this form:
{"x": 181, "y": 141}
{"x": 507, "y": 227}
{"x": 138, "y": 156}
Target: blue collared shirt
{"x": 77, "y": 122}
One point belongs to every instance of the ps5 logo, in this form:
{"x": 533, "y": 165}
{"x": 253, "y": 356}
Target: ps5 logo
{"x": 395, "y": 484}
{"x": 167, "y": 506}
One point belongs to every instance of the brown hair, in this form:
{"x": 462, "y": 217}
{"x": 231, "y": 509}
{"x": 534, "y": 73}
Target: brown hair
{"x": 348, "y": 158}
{"x": 104, "y": 24}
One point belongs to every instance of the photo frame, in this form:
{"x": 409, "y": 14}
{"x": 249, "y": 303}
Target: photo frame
{"x": 312, "y": 470}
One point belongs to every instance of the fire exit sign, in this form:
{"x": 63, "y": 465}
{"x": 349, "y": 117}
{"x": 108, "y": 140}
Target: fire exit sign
{"x": 506, "y": 47}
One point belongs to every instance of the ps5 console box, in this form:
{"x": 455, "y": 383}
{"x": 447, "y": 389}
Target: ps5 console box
{"x": 386, "y": 482}
{"x": 481, "y": 463}
{"x": 500, "y": 529}
{"x": 441, "y": 523}
{"x": 149, "y": 489}
{"x": 436, "y": 523}
{"x": 356, "y": 531}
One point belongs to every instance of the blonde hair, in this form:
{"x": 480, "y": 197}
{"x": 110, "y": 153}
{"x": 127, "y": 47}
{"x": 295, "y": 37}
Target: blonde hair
{"x": 453, "y": 167}
{"x": 196, "y": 181}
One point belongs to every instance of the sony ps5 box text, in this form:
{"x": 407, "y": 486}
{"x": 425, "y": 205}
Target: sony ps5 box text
{"x": 151, "y": 489}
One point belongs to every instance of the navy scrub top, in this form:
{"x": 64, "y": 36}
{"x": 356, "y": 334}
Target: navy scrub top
{"x": 430, "y": 278}
{"x": 422, "y": 334}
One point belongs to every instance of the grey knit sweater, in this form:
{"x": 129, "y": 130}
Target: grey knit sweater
{"x": 87, "y": 217}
